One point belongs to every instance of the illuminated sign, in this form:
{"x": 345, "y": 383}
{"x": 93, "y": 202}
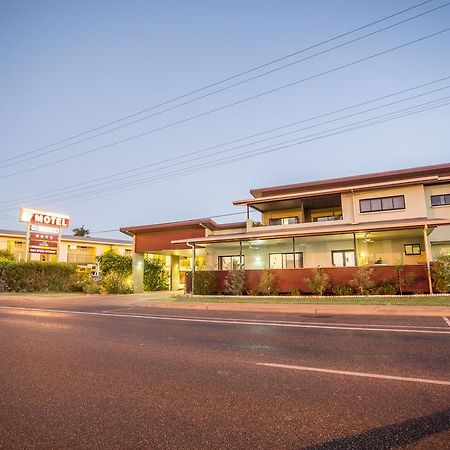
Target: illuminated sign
{"x": 43, "y": 218}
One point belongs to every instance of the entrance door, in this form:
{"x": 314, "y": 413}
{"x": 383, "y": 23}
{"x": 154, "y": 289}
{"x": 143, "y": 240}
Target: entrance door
{"x": 343, "y": 258}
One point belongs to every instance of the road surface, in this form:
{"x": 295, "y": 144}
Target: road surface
{"x": 104, "y": 375}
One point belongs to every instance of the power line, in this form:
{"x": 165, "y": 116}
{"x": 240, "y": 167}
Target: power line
{"x": 275, "y": 147}
{"x": 103, "y": 147}
{"x": 234, "y": 77}
{"x": 85, "y": 185}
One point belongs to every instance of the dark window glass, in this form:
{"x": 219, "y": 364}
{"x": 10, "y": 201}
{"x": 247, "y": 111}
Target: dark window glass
{"x": 382, "y": 204}
{"x": 284, "y": 221}
{"x": 440, "y": 200}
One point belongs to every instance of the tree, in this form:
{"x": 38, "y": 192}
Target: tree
{"x": 234, "y": 282}
{"x": 440, "y": 274}
{"x": 80, "y": 231}
{"x": 319, "y": 282}
{"x": 6, "y": 255}
{"x": 362, "y": 281}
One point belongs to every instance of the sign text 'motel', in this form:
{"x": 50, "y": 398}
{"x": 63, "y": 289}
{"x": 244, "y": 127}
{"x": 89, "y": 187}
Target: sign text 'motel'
{"x": 45, "y": 219}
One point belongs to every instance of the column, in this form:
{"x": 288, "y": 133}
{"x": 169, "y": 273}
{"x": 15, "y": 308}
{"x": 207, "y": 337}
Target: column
{"x": 174, "y": 273}
{"x": 138, "y": 272}
{"x": 428, "y": 256}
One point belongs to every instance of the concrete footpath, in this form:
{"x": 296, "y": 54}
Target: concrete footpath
{"x": 385, "y": 310}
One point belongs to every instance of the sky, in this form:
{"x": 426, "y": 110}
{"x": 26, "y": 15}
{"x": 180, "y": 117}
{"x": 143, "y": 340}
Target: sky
{"x": 71, "y": 67}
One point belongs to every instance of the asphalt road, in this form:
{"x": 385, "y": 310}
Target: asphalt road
{"x": 124, "y": 376}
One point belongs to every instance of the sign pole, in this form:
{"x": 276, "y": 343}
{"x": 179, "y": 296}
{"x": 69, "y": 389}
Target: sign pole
{"x": 27, "y": 242}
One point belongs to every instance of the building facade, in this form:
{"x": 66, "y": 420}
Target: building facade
{"x": 74, "y": 249}
{"x": 385, "y": 220}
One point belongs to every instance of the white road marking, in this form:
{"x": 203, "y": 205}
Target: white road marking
{"x": 356, "y": 374}
{"x": 229, "y": 322}
{"x": 447, "y": 321}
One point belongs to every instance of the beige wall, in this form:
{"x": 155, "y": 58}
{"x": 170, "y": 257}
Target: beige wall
{"x": 437, "y": 212}
{"x": 415, "y": 205}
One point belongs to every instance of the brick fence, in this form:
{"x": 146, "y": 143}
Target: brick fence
{"x": 289, "y": 279}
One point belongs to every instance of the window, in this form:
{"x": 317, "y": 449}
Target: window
{"x": 440, "y": 200}
{"x": 285, "y": 260}
{"x": 326, "y": 218}
{"x": 412, "y": 249}
{"x": 284, "y": 221}
{"x": 231, "y": 262}
{"x": 343, "y": 258}
{"x": 382, "y": 204}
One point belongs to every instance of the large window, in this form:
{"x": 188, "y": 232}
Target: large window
{"x": 343, "y": 258}
{"x": 440, "y": 200}
{"x": 382, "y": 204}
{"x": 284, "y": 221}
{"x": 285, "y": 260}
{"x": 230, "y": 262}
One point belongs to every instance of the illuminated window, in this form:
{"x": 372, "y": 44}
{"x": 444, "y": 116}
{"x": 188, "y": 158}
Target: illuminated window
{"x": 230, "y": 262}
{"x": 285, "y": 260}
{"x": 412, "y": 249}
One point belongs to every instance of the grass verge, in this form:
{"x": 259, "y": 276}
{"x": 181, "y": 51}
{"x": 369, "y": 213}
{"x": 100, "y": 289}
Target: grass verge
{"x": 372, "y": 300}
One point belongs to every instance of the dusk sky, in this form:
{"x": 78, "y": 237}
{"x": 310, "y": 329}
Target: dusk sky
{"x": 70, "y": 67}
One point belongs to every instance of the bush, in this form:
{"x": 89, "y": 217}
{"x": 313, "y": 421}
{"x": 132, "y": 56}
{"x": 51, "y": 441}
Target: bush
{"x": 38, "y": 276}
{"x": 362, "y": 281}
{"x": 268, "y": 283}
{"x": 234, "y": 282}
{"x": 155, "y": 277}
{"x": 343, "y": 290}
{"x": 205, "y": 282}
{"x": 90, "y": 286}
{"x": 253, "y": 292}
{"x": 440, "y": 274}
{"x": 295, "y": 292}
{"x": 115, "y": 283}
{"x": 319, "y": 282}
{"x": 6, "y": 255}
{"x": 386, "y": 287}
{"x": 111, "y": 261}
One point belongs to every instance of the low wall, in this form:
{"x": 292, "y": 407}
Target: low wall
{"x": 289, "y": 279}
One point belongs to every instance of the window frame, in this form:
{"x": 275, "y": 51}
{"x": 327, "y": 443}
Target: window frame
{"x": 413, "y": 253}
{"x": 380, "y": 199}
{"x": 350, "y": 250}
{"x": 283, "y": 254}
{"x": 297, "y": 220}
{"x": 220, "y": 261}
{"x": 444, "y": 196}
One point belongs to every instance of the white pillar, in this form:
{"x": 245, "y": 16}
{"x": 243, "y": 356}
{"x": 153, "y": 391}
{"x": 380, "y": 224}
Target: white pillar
{"x": 138, "y": 272}
{"x": 428, "y": 257}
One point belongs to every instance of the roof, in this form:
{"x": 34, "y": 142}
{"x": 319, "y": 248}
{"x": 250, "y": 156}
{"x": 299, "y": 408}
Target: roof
{"x": 194, "y": 223}
{"x": 68, "y": 237}
{"x": 377, "y": 177}
{"x": 323, "y": 229}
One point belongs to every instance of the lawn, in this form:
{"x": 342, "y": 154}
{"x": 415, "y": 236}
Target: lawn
{"x": 313, "y": 300}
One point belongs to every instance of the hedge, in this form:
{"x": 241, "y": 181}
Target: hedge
{"x": 38, "y": 276}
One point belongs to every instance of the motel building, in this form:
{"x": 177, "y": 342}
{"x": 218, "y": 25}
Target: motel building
{"x": 383, "y": 220}
{"x": 73, "y": 249}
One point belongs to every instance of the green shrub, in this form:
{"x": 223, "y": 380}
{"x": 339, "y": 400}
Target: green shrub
{"x": 155, "y": 277}
{"x": 295, "y": 292}
{"x": 205, "y": 282}
{"x": 234, "y": 282}
{"x": 253, "y": 292}
{"x": 268, "y": 283}
{"x": 6, "y": 255}
{"x": 362, "y": 281}
{"x": 440, "y": 274}
{"x": 37, "y": 276}
{"x": 342, "y": 289}
{"x": 386, "y": 287}
{"x": 111, "y": 261}
{"x": 90, "y": 286}
{"x": 115, "y": 283}
{"x": 319, "y": 282}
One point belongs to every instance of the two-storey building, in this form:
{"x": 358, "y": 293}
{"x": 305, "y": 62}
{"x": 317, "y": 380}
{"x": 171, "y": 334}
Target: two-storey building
{"x": 386, "y": 220}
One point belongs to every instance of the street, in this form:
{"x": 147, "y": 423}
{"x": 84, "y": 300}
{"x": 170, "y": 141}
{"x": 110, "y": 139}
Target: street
{"x": 100, "y": 375}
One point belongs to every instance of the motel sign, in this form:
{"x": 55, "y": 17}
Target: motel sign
{"x": 44, "y": 231}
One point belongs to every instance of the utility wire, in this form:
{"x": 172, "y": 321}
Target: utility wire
{"x": 103, "y": 147}
{"x": 108, "y": 179}
{"x": 227, "y": 79}
{"x": 276, "y": 147}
